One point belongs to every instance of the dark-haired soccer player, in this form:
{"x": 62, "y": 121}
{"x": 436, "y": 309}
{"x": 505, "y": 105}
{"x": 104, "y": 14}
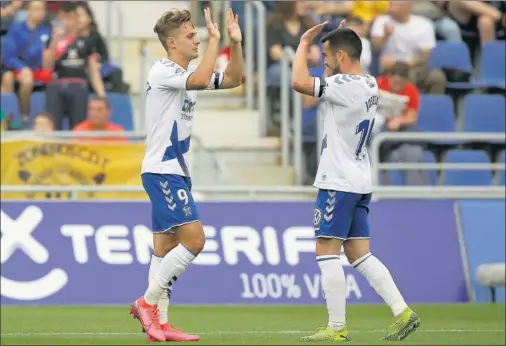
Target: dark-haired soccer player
{"x": 344, "y": 180}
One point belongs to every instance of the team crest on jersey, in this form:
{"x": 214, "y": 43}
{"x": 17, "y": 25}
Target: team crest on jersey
{"x": 317, "y": 218}
{"x": 187, "y": 210}
{"x": 187, "y": 110}
{"x": 188, "y": 106}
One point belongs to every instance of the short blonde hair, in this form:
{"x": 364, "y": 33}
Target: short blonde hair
{"x": 169, "y": 21}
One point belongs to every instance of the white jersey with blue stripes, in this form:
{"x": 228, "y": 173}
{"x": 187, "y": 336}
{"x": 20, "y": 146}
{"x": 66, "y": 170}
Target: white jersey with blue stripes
{"x": 170, "y": 109}
{"x": 348, "y": 111}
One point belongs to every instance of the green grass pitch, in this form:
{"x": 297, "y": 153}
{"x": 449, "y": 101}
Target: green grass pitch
{"x": 466, "y": 324}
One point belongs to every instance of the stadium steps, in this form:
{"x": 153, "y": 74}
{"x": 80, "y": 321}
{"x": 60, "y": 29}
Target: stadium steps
{"x": 234, "y": 137}
{"x": 223, "y": 124}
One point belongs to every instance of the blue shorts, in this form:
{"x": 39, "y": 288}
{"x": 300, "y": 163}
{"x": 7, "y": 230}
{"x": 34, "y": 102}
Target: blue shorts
{"x": 172, "y": 203}
{"x": 341, "y": 215}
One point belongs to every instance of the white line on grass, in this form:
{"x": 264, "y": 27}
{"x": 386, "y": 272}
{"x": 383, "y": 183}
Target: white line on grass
{"x": 250, "y": 332}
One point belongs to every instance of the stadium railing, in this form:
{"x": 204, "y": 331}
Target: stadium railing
{"x": 219, "y": 190}
{"x": 291, "y": 137}
{"x": 279, "y": 193}
{"x": 113, "y": 9}
{"x": 260, "y": 32}
{"x": 464, "y": 137}
{"x": 213, "y": 172}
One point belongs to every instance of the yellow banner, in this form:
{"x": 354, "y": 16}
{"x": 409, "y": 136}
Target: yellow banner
{"x": 26, "y": 162}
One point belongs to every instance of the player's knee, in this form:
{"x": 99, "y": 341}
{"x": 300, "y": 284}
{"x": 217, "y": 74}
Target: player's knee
{"x": 163, "y": 248}
{"x": 353, "y": 256}
{"x": 193, "y": 238}
{"x": 328, "y": 246}
{"x": 356, "y": 249}
{"x": 195, "y": 246}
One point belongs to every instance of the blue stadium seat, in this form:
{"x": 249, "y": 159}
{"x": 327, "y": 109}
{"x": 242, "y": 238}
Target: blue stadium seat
{"x": 396, "y": 178}
{"x": 484, "y": 113}
{"x": 467, "y": 177}
{"x": 502, "y": 174}
{"x": 10, "y": 105}
{"x": 451, "y": 55}
{"x": 437, "y": 114}
{"x": 317, "y": 71}
{"x": 121, "y": 110}
{"x": 37, "y": 103}
{"x": 492, "y": 69}
{"x": 309, "y": 124}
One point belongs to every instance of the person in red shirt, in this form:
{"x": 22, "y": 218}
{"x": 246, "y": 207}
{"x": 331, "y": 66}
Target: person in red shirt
{"x": 98, "y": 116}
{"x": 398, "y": 111}
{"x": 399, "y": 98}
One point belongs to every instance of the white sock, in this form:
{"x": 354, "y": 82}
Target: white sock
{"x": 381, "y": 281}
{"x": 171, "y": 267}
{"x": 334, "y": 289}
{"x": 163, "y": 302}
{"x": 153, "y": 266}
{"x": 163, "y": 307}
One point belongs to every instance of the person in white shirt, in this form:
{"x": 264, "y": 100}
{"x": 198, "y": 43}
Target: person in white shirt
{"x": 350, "y": 98}
{"x": 405, "y": 37}
{"x": 178, "y": 236}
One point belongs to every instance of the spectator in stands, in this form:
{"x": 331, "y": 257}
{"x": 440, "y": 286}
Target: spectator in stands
{"x": 402, "y": 36}
{"x": 74, "y": 62}
{"x": 483, "y": 18}
{"x": 398, "y": 111}
{"x": 367, "y": 11}
{"x": 285, "y": 28}
{"x": 22, "y": 53}
{"x": 111, "y": 74}
{"x": 8, "y": 11}
{"x": 447, "y": 28}
{"x": 43, "y": 122}
{"x": 99, "y": 113}
{"x": 88, "y": 28}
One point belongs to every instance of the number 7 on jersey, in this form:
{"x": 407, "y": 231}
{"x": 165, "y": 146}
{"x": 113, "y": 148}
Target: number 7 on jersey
{"x": 365, "y": 130}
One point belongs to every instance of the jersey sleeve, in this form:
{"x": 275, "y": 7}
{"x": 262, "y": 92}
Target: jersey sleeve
{"x": 332, "y": 89}
{"x": 215, "y": 81}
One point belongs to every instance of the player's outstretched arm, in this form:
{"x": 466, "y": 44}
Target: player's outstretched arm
{"x": 200, "y": 78}
{"x": 301, "y": 79}
{"x": 235, "y": 68}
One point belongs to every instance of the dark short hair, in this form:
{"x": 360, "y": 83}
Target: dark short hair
{"x": 68, "y": 7}
{"x": 346, "y": 40}
{"x": 101, "y": 99}
{"x": 400, "y": 69}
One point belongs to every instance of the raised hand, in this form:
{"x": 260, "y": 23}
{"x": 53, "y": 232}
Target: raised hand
{"x": 311, "y": 34}
{"x": 234, "y": 30}
{"x": 212, "y": 28}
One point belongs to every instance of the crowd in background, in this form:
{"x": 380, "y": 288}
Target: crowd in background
{"x": 398, "y": 38}
{"x": 55, "y": 47}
